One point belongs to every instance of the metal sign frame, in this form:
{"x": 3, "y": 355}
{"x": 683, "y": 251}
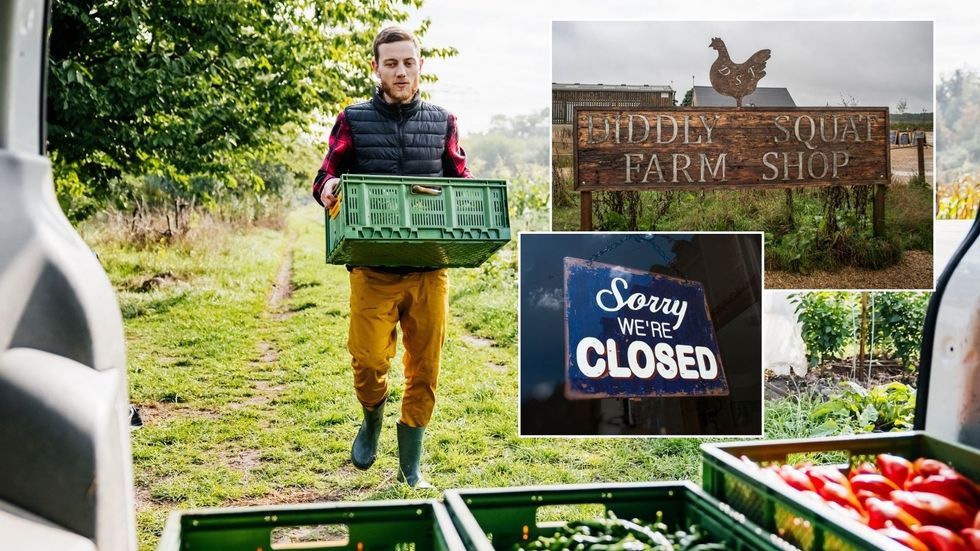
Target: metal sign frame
{"x": 700, "y": 332}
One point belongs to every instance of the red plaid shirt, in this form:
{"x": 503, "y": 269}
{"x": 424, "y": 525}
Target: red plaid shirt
{"x": 340, "y": 155}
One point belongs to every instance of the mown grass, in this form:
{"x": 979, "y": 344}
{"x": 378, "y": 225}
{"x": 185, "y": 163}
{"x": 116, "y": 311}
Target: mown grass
{"x": 243, "y": 405}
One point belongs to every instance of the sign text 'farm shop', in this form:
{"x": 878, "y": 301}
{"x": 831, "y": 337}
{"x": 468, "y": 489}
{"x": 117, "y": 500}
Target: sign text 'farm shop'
{"x": 632, "y": 334}
{"x": 699, "y": 148}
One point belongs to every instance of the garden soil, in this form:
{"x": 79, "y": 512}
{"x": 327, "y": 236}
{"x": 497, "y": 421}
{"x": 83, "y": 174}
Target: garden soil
{"x": 913, "y": 271}
{"x": 825, "y": 379}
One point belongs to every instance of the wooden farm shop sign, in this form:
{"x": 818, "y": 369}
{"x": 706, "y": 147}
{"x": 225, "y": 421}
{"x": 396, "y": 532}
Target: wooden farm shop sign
{"x": 634, "y": 334}
{"x": 700, "y": 148}
{"x": 734, "y": 147}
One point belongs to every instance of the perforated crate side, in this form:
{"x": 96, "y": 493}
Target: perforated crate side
{"x": 788, "y": 513}
{"x": 380, "y": 219}
{"x": 399, "y": 525}
{"x": 500, "y": 517}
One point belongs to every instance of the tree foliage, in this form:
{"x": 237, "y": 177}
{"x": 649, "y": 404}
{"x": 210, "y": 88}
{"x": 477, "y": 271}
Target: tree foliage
{"x": 688, "y": 100}
{"x": 192, "y": 90}
{"x": 957, "y": 115}
{"x": 830, "y": 321}
{"x": 827, "y": 319}
{"x": 511, "y": 144}
{"x": 900, "y": 316}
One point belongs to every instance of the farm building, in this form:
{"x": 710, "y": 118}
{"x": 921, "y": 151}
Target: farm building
{"x": 706, "y": 96}
{"x": 564, "y": 97}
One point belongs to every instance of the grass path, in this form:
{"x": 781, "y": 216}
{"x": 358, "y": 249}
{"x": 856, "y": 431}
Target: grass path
{"x": 238, "y": 361}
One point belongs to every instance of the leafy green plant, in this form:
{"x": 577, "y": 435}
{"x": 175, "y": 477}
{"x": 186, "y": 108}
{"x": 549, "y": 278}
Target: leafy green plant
{"x": 857, "y": 410}
{"x": 190, "y": 90}
{"x": 900, "y": 318}
{"x": 827, "y": 320}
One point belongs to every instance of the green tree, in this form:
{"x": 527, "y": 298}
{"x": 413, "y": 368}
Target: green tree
{"x": 957, "y": 114}
{"x": 827, "y": 320}
{"x": 191, "y": 90}
{"x": 900, "y": 317}
{"x": 688, "y": 98}
{"x": 510, "y": 143}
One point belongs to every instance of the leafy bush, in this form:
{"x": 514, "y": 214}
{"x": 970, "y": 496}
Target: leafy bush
{"x": 828, "y": 322}
{"x": 857, "y": 410}
{"x": 871, "y": 252}
{"x": 901, "y": 316}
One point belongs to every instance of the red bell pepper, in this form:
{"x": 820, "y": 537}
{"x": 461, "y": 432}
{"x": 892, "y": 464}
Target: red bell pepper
{"x": 881, "y": 512}
{"x": 874, "y": 483}
{"x": 972, "y": 538}
{"x": 863, "y": 496}
{"x": 933, "y": 509}
{"x": 939, "y": 538}
{"x": 903, "y": 537}
{"x": 796, "y": 478}
{"x": 832, "y": 491}
{"x": 928, "y": 467}
{"x": 863, "y": 468}
{"x": 828, "y": 474}
{"x": 895, "y": 468}
{"x": 950, "y": 484}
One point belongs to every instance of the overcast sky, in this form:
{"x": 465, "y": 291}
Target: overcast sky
{"x": 504, "y": 64}
{"x": 875, "y": 62}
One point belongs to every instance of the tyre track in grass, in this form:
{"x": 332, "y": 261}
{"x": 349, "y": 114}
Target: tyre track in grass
{"x": 265, "y": 374}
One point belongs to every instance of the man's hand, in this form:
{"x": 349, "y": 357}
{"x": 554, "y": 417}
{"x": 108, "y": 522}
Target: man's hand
{"x": 326, "y": 194}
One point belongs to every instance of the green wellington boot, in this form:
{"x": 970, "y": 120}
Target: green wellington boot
{"x": 410, "y": 454}
{"x": 365, "y": 448}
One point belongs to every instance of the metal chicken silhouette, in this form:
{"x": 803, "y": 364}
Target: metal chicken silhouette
{"x": 736, "y": 79}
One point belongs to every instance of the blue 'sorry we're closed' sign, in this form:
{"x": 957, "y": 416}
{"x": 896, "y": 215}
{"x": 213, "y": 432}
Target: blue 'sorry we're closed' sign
{"x": 636, "y": 334}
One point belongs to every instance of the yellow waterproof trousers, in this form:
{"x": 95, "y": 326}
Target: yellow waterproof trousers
{"x": 378, "y": 302}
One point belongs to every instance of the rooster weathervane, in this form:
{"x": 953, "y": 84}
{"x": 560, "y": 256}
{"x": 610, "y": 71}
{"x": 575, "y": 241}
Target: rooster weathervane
{"x": 736, "y": 79}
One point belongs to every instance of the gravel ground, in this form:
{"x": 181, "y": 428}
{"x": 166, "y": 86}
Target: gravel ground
{"x": 914, "y": 271}
{"x": 905, "y": 162}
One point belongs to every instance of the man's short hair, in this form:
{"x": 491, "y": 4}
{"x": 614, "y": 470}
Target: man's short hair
{"x": 395, "y": 34}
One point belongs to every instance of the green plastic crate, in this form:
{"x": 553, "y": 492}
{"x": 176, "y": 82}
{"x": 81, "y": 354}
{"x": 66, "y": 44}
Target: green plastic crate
{"x": 787, "y": 513}
{"x": 392, "y": 221}
{"x": 389, "y": 525}
{"x": 497, "y": 518}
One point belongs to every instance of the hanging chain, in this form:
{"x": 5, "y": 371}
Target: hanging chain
{"x": 647, "y": 238}
{"x": 610, "y": 247}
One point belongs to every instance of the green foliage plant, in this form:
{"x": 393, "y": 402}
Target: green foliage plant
{"x": 856, "y": 410}
{"x": 900, "y": 317}
{"x": 827, "y": 319}
{"x": 198, "y": 90}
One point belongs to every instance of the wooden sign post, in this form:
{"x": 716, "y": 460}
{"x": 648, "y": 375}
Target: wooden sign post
{"x": 729, "y": 148}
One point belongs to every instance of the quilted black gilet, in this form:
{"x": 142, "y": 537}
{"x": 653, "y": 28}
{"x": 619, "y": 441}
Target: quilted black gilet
{"x": 406, "y": 139}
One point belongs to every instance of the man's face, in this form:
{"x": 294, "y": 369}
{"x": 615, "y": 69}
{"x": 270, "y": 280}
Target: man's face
{"x": 398, "y": 67}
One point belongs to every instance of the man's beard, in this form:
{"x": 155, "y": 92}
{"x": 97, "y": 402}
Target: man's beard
{"x": 405, "y": 95}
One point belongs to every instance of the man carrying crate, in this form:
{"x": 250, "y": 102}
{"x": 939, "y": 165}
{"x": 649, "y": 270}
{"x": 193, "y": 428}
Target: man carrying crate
{"x": 394, "y": 133}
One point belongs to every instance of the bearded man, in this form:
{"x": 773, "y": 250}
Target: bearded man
{"x": 394, "y": 133}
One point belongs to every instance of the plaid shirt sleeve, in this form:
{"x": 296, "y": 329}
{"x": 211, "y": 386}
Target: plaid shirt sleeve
{"x": 339, "y": 155}
{"x": 454, "y": 158}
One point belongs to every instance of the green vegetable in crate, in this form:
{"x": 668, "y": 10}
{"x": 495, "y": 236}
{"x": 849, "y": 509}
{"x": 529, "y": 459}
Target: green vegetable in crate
{"x": 615, "y": 534}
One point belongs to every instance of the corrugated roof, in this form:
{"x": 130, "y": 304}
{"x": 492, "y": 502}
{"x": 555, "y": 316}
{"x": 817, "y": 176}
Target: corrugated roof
{"x": 706, "y": 96}
{"x": 611, "y": 87}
